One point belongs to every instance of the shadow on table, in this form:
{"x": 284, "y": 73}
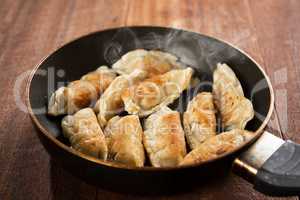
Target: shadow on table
{"x": 67, "y": 183}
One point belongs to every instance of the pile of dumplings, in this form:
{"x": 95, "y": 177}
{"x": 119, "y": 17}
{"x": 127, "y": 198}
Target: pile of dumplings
{"x": 142, "y": 84}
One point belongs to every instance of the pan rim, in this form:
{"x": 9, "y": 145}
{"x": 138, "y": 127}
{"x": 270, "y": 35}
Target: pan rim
{"x": 66, "y": 148}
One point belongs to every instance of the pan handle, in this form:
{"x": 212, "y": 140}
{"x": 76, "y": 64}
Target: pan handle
{"x": 279, "y": 175}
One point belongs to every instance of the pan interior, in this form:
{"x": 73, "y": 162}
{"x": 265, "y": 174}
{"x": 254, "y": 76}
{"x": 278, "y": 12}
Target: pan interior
{"x": 105, "y": 47}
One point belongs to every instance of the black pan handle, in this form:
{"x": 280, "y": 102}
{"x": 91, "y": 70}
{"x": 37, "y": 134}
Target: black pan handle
{"x": 280, "y": 174}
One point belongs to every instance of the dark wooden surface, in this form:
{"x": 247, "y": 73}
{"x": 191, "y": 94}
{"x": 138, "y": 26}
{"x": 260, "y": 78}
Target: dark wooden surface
{"x": 30, "y": 29}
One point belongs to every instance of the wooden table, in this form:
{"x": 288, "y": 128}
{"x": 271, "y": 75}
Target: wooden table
{"x": 29, "y": 30}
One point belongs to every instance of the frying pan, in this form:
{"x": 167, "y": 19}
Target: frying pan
{"x": 86, "y": 53}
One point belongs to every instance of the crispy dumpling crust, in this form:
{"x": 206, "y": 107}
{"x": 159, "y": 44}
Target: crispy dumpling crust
{"x": 151, "y": 94}
{"x": 164, "y": 138}
{"x": 199, "y": 119}
{"x": 80, "y": 93}
{"x": 152, "y": 62}
{"x": 235, "y": 109}
{"x": 110, "y": 103}
{"x": 216, "y": 146}
{"x": 84, "y": 133}
{"x": 148, "y": 82}
{"x": 124, "y": 139}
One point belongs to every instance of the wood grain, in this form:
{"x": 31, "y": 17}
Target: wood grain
{"x": 31, "y": 29}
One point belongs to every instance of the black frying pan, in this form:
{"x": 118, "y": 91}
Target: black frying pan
{"x": 105, "y": 47}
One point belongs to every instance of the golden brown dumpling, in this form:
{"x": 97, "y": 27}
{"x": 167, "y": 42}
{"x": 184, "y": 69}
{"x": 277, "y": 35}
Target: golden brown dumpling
{"x": 217, "y": 145}
{"x": 153, "y": 62}
{"x": 151, "y": 94}
{"x": 199, "y": 119}
{"x": 164, "y": 138}
{"x": 84, "y": 133}
{"x": 235, "y": 109}
{"x": 124, "y": 139}
{"x": 110, "y": 103}
{"x": 80, "y": 93}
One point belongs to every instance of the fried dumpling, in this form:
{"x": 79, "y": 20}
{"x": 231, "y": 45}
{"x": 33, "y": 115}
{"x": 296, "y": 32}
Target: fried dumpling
{"x": 153, "y": 62}
{"x": 84, "y": 133}
{"x": 110, "y": 103}
{"x": 80, "y": 93}
{"x": 124, "y": 139}
{"x": 199, "y": 120}
{"x": 216, "y": 146}
{"x": 153, "y": 93}
{"x": 164, "y": 138}
{"x": 235, "y": 109}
